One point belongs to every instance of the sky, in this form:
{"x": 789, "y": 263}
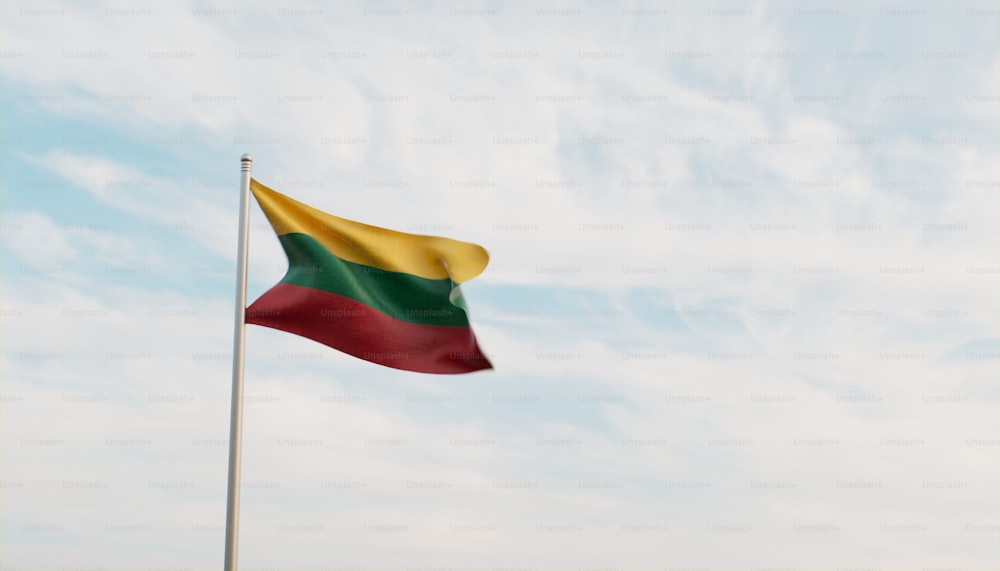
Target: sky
{"x": 741, "y": 304}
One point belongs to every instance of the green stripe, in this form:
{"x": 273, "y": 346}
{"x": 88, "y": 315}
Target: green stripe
{"x": 403, "y": 296}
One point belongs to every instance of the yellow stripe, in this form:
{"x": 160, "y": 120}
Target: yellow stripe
{"x": 429, "y": 257}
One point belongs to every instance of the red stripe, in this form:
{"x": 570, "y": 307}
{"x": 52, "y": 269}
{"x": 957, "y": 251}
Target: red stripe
{"x": 359, "y": 330}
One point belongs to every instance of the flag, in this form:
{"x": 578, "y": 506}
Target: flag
{"x": 388, "y": 297}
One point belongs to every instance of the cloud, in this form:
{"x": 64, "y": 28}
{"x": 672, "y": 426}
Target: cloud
{"x": 742, "y": 285}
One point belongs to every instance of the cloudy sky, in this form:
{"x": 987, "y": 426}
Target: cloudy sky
{"x": 742, "y": 301}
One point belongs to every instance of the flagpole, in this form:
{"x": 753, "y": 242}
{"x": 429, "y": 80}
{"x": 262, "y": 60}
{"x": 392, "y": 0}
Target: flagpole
{"x": 236, "y": 404}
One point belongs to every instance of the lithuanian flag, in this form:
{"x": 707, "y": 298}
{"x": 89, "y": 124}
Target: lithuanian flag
{"x": 384, "y": 296}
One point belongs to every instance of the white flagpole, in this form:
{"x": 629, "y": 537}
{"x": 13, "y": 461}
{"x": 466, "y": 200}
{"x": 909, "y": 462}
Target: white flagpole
{"x": 236, "y": 405}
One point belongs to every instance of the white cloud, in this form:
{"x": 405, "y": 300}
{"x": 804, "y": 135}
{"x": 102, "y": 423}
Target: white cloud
{"x": 718, "y": 312}
{"x": 37, "y": 239}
